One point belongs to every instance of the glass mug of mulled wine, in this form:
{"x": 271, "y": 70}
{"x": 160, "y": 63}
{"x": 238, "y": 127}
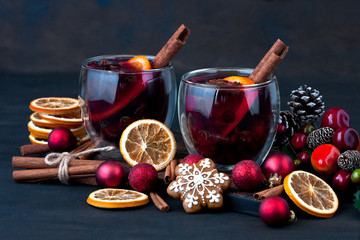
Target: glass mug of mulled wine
{"x": 112, "y": 96}
{"x": 227, "y": 121}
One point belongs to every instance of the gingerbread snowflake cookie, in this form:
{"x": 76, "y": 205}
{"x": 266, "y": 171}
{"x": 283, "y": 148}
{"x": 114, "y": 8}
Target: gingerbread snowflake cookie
{"x": 199, "y": 185}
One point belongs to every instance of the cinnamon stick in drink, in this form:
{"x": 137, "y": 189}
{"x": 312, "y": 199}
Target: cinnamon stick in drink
{"x": 171, "y": 48}
{"x": 269, "y": 62}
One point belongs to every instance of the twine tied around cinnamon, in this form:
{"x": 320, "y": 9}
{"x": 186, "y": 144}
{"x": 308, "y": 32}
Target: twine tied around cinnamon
{"x": 63, "y": 159}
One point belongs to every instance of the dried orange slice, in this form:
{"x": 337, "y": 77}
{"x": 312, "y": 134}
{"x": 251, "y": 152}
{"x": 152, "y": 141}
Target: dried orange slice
{"x": 242, "y": 80}
{"x": 36, "y": 140}
{"x": 54, "y": 105}
{"x": 38, "y": 121}
{"x": 148, "y": 141}
{"x": 73, "y": 117}
{"x": 311, "y": 194}
{"x": 138, "y": 63}
{"x": 43, "y": 132}
{"x": 117, "y": 198}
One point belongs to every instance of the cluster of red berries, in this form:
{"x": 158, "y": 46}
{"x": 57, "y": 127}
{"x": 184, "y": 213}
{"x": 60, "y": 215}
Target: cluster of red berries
{"x": 324, "y": 158}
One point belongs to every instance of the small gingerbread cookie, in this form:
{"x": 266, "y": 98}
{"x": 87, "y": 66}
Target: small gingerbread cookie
{"x": 199, "y": 185}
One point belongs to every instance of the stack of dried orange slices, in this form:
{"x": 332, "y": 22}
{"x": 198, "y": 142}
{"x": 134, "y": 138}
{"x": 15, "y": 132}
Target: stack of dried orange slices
{"x": 53, "y": 112}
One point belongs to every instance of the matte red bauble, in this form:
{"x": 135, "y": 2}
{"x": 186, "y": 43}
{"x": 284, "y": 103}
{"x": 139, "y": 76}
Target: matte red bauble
{"x": 247, "y": 175}
{"x": 61, "y": 140}
{"x": 274, "y": 211}
{"x": 110, "y": 173}
{"x": 143, "y": 177}
{"x": 192, "y": 158}
{"x": 279, "y": 163}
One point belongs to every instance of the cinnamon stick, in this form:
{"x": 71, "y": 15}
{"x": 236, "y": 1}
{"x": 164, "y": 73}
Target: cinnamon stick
{"x": 30, "y": 149}
{"x": 171, "y": 48}
{"x": 38, "y": 162}
{"x": 274, "y": 191}
{"x": 51, "y": 173}
{"x": 269, "y": 62}
{"x": 159, "y": 202}
{"x": 169, "y": 175}
{"x": 86, "y": 146}
{"x": 85, "y": 180}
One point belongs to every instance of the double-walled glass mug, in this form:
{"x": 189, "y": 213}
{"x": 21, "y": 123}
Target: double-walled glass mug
{"x": 227, "y": 123}
{"x": 112, "y": 97}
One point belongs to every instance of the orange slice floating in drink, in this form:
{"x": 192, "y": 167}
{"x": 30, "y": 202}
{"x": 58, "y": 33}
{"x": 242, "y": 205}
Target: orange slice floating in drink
{"x": 148, "y": 141}
{"x": 54, "y": 105}
{"x": 138, "y": 63}
{"x": 240, "y": 79}
{"x": 311, "y": 194}
{"x": 117, "y": 198}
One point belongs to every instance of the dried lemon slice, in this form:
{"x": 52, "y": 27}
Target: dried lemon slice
{"x": 54, "y": 105}
{"x": 117, "y": 198}
{"x": 148, "y": 141}
{"x": 311, "y": 194}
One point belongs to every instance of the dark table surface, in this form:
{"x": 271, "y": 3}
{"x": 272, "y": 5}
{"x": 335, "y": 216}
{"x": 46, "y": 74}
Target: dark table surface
{"x": 56, "y": 211}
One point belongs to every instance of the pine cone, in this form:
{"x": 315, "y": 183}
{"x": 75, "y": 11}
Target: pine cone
{"x": 292, "y": 126}
{"x": 306, "y": 104}
{"x": 349, "y": 160}
{"x": 320, "y": 136}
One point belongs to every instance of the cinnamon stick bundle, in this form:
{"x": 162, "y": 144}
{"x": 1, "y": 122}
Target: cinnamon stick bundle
{"x": 171, "y": 48}
{"x": 269, "y": 62}
{"x": 274, "y": 191}
{"x": 159, "y": 202}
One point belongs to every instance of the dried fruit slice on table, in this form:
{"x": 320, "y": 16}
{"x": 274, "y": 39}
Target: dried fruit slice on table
{"x": 148, "y": 141}
{"x": 54, "y": 105}
{"x": 42, "y": 122}
{"x": 311, "y": 194}
{"x": 43, "y": 132}
{"x": 73, "y": 117}
{"x": 117, "y": 198}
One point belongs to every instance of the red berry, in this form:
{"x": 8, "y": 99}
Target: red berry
{"x": 279, "y": 163}
{"x": 346, "y": 138}
{"x": 324, "y": 159}
{"x": 298, "y": 141}
{"x": 61, "y": 140}
{"x": 247, "y": 175}
{"x": 110, "y": 173}
{"x": 304, "y": 157}
{"x": 274, "y": 211}
{"x": 143, "y": 177}
{"x": 281, "y": 128}
{"x": 342, "y": 180}
{"x": 335, "y": 118}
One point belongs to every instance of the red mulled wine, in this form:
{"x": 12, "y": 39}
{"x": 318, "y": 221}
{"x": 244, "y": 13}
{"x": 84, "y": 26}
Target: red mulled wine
{"x": 115, "y": 96}
{"x": 227, "y": 122}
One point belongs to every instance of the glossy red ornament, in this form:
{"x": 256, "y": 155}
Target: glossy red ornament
{"x": 110, "y": 173}
{"x": 279, "y": 163}
{"x": 346, "y": 138}
{"x": 143, "y": 177}
{"x": 247, "y": 175}
{"x": 274, "y": 211}
{"x": 341, "y": 180}
{"x": 192, "y": 158}
{"x": 324, "y": 159}
{"x": 298, "y": 141}
{"x": 335, "y": 118}
{"x": 61, "y": 140}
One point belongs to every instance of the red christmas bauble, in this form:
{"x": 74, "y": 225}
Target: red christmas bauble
{"x": 143, "y": 177}
{"x": 110, "y": 173}
{"x": 192, "y": 158}
{"x": 61, "y": 140}
{"x": 274, "y": 211}
{"x": 247, "y": 175}
{"x": 279, "y": 163}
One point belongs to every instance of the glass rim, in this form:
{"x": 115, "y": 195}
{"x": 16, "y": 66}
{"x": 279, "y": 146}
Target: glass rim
{"x": 247, "y": 71}
{"x": 124, "y": 56}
